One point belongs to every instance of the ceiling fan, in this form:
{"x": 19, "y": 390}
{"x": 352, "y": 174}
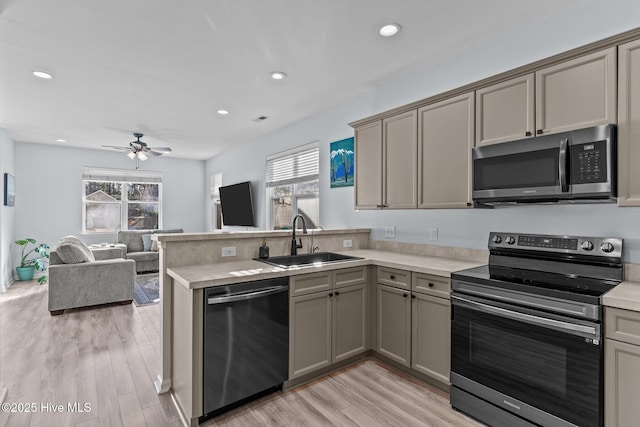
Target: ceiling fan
{"x": 139, "y": 150}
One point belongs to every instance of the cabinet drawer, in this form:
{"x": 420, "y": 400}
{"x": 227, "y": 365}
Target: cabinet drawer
{"x": 350, "y": 276}
{"x": 432, "y": 285}
{"x": 622, "y": 325}
{"x": 310, "y": 283}
{"x": 393, "y": 277}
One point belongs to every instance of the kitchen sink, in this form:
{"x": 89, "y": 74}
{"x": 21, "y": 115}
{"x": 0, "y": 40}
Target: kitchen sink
{"x": 317, "y": 258}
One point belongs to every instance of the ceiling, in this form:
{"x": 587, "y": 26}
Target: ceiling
{"x": 164, "y": 68}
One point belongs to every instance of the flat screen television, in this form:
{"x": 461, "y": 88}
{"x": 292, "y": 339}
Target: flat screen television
{"x": 237, "y": 204}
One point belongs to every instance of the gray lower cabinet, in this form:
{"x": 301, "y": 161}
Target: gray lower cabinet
{"x": 394, "y": 324}
{"x": 350, "y": 321}
{"x": 309, "y": 333}
{"x": 330, "y": 325}
{"x": 622, "y": 368}
{"x": 431, "y": 336}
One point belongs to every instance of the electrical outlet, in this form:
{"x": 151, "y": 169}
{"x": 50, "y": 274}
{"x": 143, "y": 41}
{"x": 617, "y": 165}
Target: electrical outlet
{"x": 229, "y": 251}
{"x": 347, "y": 243}
{"x": 433, "y": 233}
{"x": 390, "y": 231}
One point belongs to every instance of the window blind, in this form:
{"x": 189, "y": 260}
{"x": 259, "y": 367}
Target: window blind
{"x": 294, "y": 166}
{"x": 119, "y": 175}
{"x": 216, "y": 183}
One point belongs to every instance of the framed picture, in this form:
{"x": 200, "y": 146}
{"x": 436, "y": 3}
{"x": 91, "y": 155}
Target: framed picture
{"x": 9, "y": 190}
{"x": 341, "y": 161}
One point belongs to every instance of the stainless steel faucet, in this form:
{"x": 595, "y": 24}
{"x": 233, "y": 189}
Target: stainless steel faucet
{"x": 294, "y": 245}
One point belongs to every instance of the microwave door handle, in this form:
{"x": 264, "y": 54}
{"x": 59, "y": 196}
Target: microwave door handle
{"x": 562, "y": 165}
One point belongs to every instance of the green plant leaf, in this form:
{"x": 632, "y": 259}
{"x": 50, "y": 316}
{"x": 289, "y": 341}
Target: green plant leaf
{"x": 42, "y": 280}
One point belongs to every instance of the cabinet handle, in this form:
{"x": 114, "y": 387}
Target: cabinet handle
{"x": 430, "y": 285}
{"x": 392, "y": 277}
{"x": 405, "y": 295}
{"x": 337, "y": 293}
{"x": 385, "y": 206}
{"x": 527, "y": 133}
{"x": 331, "y": 294}
{"x": 413, "y": 297}
{"x": 539, "y": 131}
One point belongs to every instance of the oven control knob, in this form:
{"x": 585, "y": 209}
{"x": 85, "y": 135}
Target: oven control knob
{"x": 497, "y": 239}
{"x": 510, "y": 240}
{"x": 606, "y": 247}
{"x": 587, "y": 245}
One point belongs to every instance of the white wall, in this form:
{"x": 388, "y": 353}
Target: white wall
{"x": 7, "y": 213}
{"x": 49, "y": 190}
{"x": 586, "y": 22}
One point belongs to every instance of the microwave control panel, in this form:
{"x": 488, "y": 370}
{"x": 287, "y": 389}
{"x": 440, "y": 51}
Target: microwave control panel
{"x": 589, "y": 162}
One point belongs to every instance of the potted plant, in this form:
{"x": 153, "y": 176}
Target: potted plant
{"x": 31, "y": 259}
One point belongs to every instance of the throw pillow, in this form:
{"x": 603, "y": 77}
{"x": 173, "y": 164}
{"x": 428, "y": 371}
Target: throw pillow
{"x": 146, "y": 242}
{"x": 72, "y": 250}
{"x": 154, "y": 246}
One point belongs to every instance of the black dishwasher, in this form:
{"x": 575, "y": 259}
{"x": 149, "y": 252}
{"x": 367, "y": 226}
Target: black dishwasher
{"x": 246, "y": 342}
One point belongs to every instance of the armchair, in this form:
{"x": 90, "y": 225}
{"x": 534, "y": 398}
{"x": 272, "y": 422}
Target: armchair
{"x": 77, "y": 279}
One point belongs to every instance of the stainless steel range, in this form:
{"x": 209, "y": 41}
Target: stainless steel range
{"x": 526, "y": 331}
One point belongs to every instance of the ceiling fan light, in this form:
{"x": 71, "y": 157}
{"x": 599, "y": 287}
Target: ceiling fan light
{"x": 131, "y": 155}
{"x": 142, "y": 156}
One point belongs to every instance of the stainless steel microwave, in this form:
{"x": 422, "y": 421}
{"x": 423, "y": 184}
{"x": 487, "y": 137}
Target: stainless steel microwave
{"x": 566, "y": 167}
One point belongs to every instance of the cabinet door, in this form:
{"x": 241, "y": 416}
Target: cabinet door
{"x": 394, "y": 324}
{"x": 445, "y": 132}
{"x": 629, "y": 124}
{"x": 368, "y": 167}
{"x": 576, "y": 94}
{"x": 622, "y": 384}
{"x": 309, "y": 333}
{"x": 350, "y": 321}
{"x": 505, "y": 111}
{"x": 400, "y": 149}
{"x": 431, "y": 336}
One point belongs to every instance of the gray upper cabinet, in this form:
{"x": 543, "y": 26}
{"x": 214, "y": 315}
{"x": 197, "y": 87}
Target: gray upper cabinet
{"x": 368, "y": 167}
{"x": 629, "y": 124}
{"x": 578, "y": 93}
{"x": 505, "y": 111}
{"x": 386, "y": 166}
{"x": 446, "y": 136}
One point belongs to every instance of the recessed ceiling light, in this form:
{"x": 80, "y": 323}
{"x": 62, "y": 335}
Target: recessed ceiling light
{"x": 278, "y": 75}
{"x": 42, "y": 74}
{"x": 61, "y": 140}
{"x": 389, "y": 30}
{"x": 223, "y": 112}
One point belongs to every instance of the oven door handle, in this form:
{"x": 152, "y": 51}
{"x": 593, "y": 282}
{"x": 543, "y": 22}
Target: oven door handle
{"x": 558, "y": 325}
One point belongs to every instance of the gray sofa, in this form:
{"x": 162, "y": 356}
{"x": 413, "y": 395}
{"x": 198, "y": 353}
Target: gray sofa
{"x": 79, "y": 277}
{"x": 148, "y": 260}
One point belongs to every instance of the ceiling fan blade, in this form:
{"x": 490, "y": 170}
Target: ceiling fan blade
{"x": 117, "y": 147}
{"x": 161, "y": 149}
{"x": 153, "y": 153}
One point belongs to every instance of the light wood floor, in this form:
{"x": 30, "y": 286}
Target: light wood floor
{"x": 107, "y": 357}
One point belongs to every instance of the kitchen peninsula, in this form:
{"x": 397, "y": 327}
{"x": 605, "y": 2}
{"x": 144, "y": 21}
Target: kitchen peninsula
{"x": 189, "y": 263}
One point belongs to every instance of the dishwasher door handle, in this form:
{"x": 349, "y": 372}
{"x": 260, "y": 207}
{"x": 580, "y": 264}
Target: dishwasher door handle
{"x": 247, "y": 295}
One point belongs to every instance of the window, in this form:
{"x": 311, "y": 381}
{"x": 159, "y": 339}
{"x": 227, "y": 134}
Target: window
{"x": 215, "y": 182}
{"x": 293, "y": 187}
{"x": 115, "y": 200}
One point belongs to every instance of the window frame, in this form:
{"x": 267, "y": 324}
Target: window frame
{"x": 292, "y": 177}
{"x": 124, "y": 178}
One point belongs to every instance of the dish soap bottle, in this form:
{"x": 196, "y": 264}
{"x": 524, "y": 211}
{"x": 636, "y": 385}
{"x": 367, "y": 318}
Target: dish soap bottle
{"x": 264, "y": 250}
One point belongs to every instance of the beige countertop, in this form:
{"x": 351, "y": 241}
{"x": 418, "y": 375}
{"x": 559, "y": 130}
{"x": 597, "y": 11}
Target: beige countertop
{"x": 224, "y": 273}
{"x": 626, "y": 296}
